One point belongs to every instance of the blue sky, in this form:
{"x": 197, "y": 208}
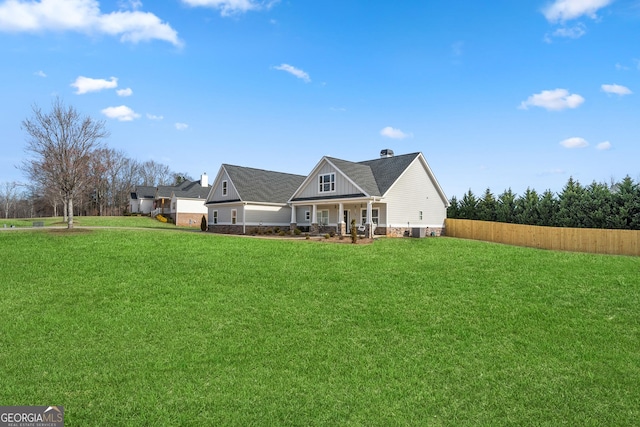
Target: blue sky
{"x": 498, "y": 94}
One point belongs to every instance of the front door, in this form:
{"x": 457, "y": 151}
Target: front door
{"x": 347, "y": 220}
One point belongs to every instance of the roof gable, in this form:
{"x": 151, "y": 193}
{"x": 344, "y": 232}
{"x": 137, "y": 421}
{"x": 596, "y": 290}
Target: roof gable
{"x": 372, "y": 177}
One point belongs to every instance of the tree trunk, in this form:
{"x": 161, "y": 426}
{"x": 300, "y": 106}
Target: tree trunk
{"x": 70, "y": 209}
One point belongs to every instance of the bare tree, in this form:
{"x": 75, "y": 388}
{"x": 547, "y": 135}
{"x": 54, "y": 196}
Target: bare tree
{"x": 8, "y": 196}
{"x": 61, "y": 143}
{"x": 154, "y": 174}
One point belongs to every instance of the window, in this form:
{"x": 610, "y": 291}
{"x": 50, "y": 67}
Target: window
{"x": 224, "y": 188}
{"x": 375, "y": 215}
{"x": 327, "y": 182}
{"x": 234, "y": 216}
{"x": 215, "y": 217}
{"x": 420, "y": 215}
{"x": 307, "y": 216}
{"x": 323, "y": 217}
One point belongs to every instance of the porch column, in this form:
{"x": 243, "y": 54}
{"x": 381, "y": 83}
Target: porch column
{"x": 294, "y": 223}
{"x": 369, "y": 215}
{"x": 313, "y": 229}
{"x": 342, "y": 229}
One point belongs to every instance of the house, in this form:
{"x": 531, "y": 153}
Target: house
{"x": 187, "y": 202}
{"x": 182, "y": 203}
{"x": 141, "y": 201}
{"x": 244, "y": 199}
{"x": 390, "y": 195}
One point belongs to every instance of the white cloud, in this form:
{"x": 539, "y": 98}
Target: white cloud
{"x": 121, "y": 113}
{"x": 124, "y": 92}
{"x": 394, "y": 133}
{"x": 575, "y": 142}
{"x": 574, "y": 32}
{"x": 606, "y": 145}
{"x": 616, "y": 89}
{"x": 294, "y": 71}
{"x": 40, "y": 73}
{"x": 154, "y": 117}
{"x": 232, "y": 7}
{"x": 84, "y": 16}
{"x": 566, "y": 10}
{"x": 557, "y": 99}
{"x": 87, "y": 84}
{"x": 181, "y": 126}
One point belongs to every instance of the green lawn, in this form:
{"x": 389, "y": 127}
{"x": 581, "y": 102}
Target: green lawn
{"x": 136, "y": 328}
{"x": 90, "y": 221}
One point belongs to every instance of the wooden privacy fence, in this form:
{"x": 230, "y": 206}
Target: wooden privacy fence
{"x": 592, "y": 240}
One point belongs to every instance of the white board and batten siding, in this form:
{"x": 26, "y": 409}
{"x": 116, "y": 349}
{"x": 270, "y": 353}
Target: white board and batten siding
{"x": 412, "y": 193}
{"x": 217, "y": 195}
{"x": 343, "y": 186}
{"x": 267, "y": 215}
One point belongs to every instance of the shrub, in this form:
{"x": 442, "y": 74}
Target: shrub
{"x": 297, "y": 232}
{"x": 326, "y": 236}
{"x": 281, "y": 233}
{"x": 332, "y": 233}
{"x": 354, "y": 231}
{"x": 203, "y": 223}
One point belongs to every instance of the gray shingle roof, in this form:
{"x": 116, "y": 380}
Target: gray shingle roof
{"x": 191, "y": 190}
{"x": 258, "y": 185}
{"x": 143, "y": 192}
{"x": 186, "y": 189}
{"x": 376, "y": 176}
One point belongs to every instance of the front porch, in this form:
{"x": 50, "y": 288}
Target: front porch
{"x": 325, "y": 217}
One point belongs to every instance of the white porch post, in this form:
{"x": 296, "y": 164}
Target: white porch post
{"x": 293, "y": 214}
{"x": 369, "y": 215}
{"x": 314, "y": 214}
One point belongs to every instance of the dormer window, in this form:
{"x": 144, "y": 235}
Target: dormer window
{"x": 327, "y": 182}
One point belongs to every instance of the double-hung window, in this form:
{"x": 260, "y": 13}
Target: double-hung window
{"x": 215, "y": 217}
{"x": 327, "y": 182}
{"x": 225, "y": 188}
{"x": 234, "y": 216}
{"x": 323, "y": 217}
{"x": 375, "y": 216}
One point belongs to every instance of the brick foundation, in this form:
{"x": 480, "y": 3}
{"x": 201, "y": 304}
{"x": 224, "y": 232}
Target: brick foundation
{"x": 188, "y": 219}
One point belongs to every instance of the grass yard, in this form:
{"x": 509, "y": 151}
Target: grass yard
{"x": 90, "y": 221}
{"x": 137, "y": 328}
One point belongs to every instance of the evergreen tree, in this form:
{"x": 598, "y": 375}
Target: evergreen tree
{"x": 626, "y": 205}
{"x": 486, "y": 208}
{"x": 527, "y": 210}
{"x": 570, "y": 209}
{"x": 468, "y": 206}
{"x": 453, "y": 211}
{"x": 597, "y": 206}
{"x": 506, "y": 207}
{"x": 548, "y": 208}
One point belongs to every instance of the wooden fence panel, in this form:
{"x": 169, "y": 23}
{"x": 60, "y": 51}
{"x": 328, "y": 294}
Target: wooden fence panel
{"x": 616, "y": 242}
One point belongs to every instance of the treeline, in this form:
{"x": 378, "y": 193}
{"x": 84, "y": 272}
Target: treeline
{"x": 110, "y": 177}
{"x": 598, "y": 205}
{"x": 70, "y": 171}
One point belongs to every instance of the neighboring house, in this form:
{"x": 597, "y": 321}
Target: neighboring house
{"x": 141, "y": 201}
{"x": 182, "y": 203}
{"x": 187, "y": 202}
{"x": 244, "y": 199}
{"x": 391, "y": 195}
